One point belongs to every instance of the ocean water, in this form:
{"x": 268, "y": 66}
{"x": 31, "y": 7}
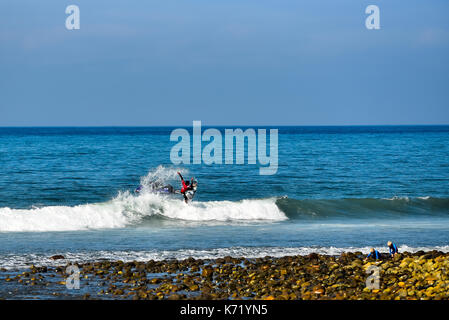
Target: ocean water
{"x": 69, "y": 191}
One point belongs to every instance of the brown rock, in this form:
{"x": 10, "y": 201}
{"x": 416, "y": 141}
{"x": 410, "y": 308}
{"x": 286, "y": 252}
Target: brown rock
{"x": 57, "y": 257}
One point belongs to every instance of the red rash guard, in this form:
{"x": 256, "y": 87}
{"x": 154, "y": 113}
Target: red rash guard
{"x": 184, "y": 187}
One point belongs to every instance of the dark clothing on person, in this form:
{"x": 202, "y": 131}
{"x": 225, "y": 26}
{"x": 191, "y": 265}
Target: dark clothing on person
{"x": 393, "y": 249}
{"x": 375, "y": 255}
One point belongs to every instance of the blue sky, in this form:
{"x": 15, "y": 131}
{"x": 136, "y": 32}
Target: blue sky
{"x": 224, "y": 62}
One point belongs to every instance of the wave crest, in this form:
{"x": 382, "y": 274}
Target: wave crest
{"x": 127, "y": 209}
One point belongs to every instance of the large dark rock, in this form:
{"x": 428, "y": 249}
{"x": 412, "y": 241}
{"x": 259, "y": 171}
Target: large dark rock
{"x": 57, "y": 257}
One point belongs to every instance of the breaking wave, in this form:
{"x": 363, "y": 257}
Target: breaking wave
{"x": 128, "y": 209}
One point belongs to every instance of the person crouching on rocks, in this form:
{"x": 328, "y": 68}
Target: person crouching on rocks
{"x": 393, "y": 249}
{"x": 374, "y": 254}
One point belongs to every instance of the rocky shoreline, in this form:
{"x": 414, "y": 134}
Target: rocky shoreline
{"x": 409, "y": 276}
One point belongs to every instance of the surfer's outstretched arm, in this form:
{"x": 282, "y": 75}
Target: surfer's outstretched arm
{"x": 180, "y": 176}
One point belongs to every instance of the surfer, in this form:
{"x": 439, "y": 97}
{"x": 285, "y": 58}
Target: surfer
{"x": 393, "y": 248}
{"x": 188, "y": 188}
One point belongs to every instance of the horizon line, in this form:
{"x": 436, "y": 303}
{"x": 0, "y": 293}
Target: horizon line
{"x": 232, "y": 126}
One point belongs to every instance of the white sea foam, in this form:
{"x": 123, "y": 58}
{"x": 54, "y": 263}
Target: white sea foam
{"x": 404, "y": 198}
{"x": 19, "y": 261}
{"x": 127, "y": 209}
{"x": 160, "y": 175}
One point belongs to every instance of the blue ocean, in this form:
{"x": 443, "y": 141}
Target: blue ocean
{"x": 70, "y": 191}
